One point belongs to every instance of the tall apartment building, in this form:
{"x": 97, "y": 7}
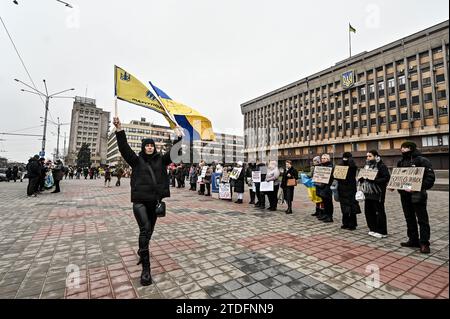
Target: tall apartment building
{"x": 89, "y": 124}
{"x": 374, "y": 100}
{"x": 226, "y": 149}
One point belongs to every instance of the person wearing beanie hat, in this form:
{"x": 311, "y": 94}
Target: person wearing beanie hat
{"x": 414, "y": 204}
{"x": 149, "y": 184}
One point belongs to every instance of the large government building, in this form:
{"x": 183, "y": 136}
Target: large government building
{"x": 374, "y": 100}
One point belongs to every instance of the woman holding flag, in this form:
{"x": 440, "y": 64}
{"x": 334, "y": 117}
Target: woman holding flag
{"x": 149, "y": 184}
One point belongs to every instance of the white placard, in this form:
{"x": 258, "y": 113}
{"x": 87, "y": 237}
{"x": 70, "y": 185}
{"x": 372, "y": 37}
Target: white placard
{"x": 266, "y": 186}
{"x": 224, "y": 191}
{"x": 204, "y": 169}
{"x": 256, "y": 177}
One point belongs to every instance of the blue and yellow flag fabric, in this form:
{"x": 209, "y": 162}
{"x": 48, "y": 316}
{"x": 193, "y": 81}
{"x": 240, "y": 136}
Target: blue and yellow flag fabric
{"x": 130, "y": 89}
{"x": 198, "y": 126}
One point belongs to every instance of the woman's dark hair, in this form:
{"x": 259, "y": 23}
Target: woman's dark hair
{"x": 374, "y": 152}
{"x": 288, "y": 161}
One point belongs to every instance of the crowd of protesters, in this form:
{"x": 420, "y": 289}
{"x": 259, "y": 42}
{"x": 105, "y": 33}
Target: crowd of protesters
{"x": 372, "y": 191}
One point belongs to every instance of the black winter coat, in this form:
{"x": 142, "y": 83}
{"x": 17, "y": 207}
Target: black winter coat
{"x": 294, "y": 174}
{"x": 347, "y": 186}
{"x": 33, "y": 168}
{"x": 143, "y": 188}
{"x": 381, "y": 180}
{"x": 239, "y": 182}
{"x": 324, "y": 190}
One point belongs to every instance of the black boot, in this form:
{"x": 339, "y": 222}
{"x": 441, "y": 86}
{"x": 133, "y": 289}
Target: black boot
{"x": 146, "y": 277}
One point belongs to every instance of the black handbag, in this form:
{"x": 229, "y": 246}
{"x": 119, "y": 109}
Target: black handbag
{"x": 160, "y": 208}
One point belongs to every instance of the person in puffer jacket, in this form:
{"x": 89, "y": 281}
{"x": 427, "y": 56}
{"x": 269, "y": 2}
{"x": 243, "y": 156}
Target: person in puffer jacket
{"x": 149, "y": 184}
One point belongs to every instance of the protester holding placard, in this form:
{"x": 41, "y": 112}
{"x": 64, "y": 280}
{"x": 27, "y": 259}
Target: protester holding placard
{"x": 239, "y": 183}
{"x": 374, "y": 195}
{"x": 272, "y": 176}
{"x": 324, "y": 191}
{"x": 261, "y": 199}
{"x": 414, "y": 204}
{"x": 347, "y": 190}
{"x": 248, "y": 175}
{"x": 287, "y": 184}
{"x": 200, "y": 179}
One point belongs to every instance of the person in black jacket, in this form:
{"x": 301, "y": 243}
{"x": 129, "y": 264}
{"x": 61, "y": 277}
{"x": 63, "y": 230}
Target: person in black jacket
{"x": 239, "y": 183}
{"x": 288, "y": 191}
{"x": 414, "y": 204}
{"x": 34, "y": 173}
{"x": 149, "y": 184}
{"x": 347, "y": 191}
{"x": 375, "y": 194}
{"x": 248, "y": 176}
{"x": 260, "y": 196}
{"x": 324, "y": 191}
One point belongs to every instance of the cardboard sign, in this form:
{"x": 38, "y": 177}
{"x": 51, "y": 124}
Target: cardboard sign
{"x": 367, "y": 173}
{"x": 266, "y": 186}
{"x": 407, "y": 178}
{"x": 199, "y": 179}
{"x": 224, "y": 191}
{"x": 235, "y": 172}
{"x": 256, "y": 177}
{"x": 225, "y": 177}
{"x": 340, "y": 172}
{"x": 204, "y": 169}
{"x": 322, "y": 174}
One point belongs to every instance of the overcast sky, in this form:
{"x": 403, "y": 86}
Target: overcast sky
{"x": 210, "y": 55}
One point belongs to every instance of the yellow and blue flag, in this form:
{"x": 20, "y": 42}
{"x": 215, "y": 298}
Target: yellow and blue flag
{"x": 128, "y": 88}
{"x": 197, "y": 126}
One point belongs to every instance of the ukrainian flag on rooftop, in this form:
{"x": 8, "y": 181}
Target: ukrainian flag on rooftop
{"x": 197, "y": 126}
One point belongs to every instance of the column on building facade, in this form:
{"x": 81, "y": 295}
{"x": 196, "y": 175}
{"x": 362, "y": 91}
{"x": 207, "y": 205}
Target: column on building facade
{"x": 433, "y": 88}
{"x": 419, "y": 79}
{"x": 445, "y": 57}
{"x": 408, "y": 93}
{"x": 387, "y": 109}
{"x": 397, "y": 95}
{"x": 376, "y": 96}
{"x": 358, "y": 107}
{"x": 328, "y": 111}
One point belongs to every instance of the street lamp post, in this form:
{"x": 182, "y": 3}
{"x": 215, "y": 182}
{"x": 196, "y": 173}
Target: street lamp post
{"x": 47, "y": 102}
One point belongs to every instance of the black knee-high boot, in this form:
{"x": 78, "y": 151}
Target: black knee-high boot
{"x": 289, "y": 210}
{"x": 146, "y": 277}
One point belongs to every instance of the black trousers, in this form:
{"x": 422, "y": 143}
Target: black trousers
{"x": 57, "y": 189}
{"x": 252, "y": 196}
{"x": 273, "y": 196}
{"x": 260, "y": 196}
{"x": 328, "y": 206}
{"x": 289, "y": 195}
{"x": 348, "y": 216}
{"x": 40, "y": 186}
{"x": 146, "y": 218}
{"x": 118, "y": 181}
{"x": 375, "y": 216}
{"x": 202, "y": 189}
{"x": 208, "y": 188}
{"x": 32, "y": 185}
{"x": 416, "y": 214}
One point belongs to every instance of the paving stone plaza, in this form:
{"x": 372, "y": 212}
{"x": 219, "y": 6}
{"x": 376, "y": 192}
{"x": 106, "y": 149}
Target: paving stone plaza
{"x": 208, "y": 248}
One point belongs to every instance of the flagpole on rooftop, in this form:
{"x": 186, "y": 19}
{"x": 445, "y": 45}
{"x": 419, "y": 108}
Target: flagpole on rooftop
{"x": 350, "y": 39}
